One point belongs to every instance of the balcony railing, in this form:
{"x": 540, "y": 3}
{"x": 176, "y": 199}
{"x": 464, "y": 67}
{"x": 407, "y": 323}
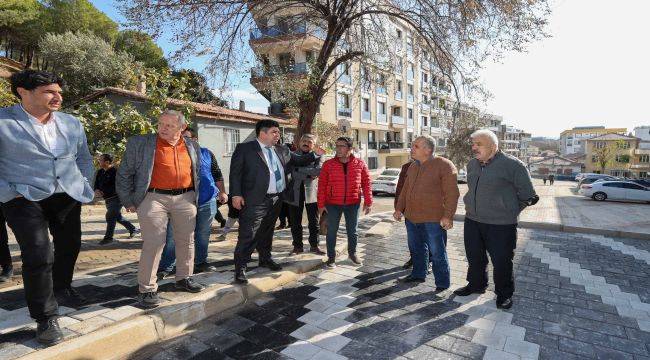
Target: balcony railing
{"x": 381, "y": 119}
{"x": 425, "y": 107}
{"x": 410, "y": 75}
{"x": 410, "y": 98}
{"x": 410, "y": 123}
{"x": 366, "y": 115}
{"x": 397, "y": 120}
{"x": 398, "y": 95}
{"x": 383, "y": 145}
{"x": 395, "y": 145}
{"x": 381, "y": 90}
{"x": 283, "y": 30}
{"x": 345, "y": 112}
{"x": 273, "y": 70}
{"x": 372, "y": 145}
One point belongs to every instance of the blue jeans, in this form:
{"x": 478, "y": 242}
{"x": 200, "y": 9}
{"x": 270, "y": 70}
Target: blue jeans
{"x": 351, "y": 213}
{"x": 204, "y": 215}
{"x": 427, "y": 242}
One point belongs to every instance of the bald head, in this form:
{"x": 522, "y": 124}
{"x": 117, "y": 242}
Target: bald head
{"x": 485, "y": 144}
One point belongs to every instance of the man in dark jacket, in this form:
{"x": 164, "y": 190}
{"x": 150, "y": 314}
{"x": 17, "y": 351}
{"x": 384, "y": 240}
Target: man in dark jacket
{"x": 341, "y": 183}
{"x": 258, "y": 176}
{"x": 105, "y": 188}
{"x": 499, "y": 189}
{"x": 302, "y": 194}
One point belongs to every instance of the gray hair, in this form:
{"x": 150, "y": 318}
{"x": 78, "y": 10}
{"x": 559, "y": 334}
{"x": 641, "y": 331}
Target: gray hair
{"x": 428, "y": 141}
{"x": 307, "y": 136}
{"x": 487, "y": 133}
{"x": 177, "y": 114}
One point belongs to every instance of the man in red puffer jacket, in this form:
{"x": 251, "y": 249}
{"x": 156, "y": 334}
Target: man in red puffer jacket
{"x": 341, "y": 181}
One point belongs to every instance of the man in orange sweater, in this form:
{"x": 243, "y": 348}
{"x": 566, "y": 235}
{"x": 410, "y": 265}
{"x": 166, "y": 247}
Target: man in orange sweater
{"x": 428, "y": 201}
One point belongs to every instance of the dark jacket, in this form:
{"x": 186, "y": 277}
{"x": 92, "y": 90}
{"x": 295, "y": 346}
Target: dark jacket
{"x": 249, "y": 173}
{"x": 303, "y": 175}
{"x": 498, "y": 191}
{"x": 105, "y": 182}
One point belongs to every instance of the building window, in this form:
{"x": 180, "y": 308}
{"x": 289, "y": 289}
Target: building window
{"x": 435, "y": 123}
{"x": 371, "y": 136}
{"x": 623, "y": 145}
{"x": 623, "y": 158}
{"x": 355, "y": 133}
{"x": 644, "y": 158}
{"x": 397, "y": 111}
{"x": 372, "y": 163}
{"x": 643, "y": 174}
{"x": 410, "y": 114}
{"x": 230, "y": 140}
{"x": 425, "y": 121}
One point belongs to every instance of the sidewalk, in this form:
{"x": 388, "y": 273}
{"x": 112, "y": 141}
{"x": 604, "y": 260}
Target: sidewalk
{"x": 112, "y": 321}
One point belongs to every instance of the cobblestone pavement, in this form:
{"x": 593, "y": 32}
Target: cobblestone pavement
{"x": 111, "y": 291}
{"x": 577, "y": 297}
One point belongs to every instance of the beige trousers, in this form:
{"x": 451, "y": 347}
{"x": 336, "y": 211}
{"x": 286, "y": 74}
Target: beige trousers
{"x": 153, "y": 214}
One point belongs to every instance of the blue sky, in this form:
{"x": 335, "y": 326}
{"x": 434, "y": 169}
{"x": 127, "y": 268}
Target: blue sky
{"x": 592, "y": 71}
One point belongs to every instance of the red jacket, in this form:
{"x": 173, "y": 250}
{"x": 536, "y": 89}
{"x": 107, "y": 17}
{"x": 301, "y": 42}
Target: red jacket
{"x": 334, "y": 188}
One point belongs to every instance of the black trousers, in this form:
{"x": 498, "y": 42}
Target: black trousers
{"x": 5, "y": 255}
{"x": 295, "y": 215}
{"x": 256, "y": 226}
{"x": 499, "y": 241}
{"x": 45, "y": 271}
{"x": 114, "y": 216}
{"x": 284, "y": 214}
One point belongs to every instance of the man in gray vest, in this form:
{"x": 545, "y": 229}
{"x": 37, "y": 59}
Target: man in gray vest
{"x": 499, "y": 189}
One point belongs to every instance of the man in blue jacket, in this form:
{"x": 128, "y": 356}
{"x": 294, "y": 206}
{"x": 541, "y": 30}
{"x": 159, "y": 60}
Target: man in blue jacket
{"x": 42, "y": 187}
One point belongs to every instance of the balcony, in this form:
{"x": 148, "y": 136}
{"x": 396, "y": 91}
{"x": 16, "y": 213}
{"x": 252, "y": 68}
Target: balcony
{"x": 372, "y": 145}
{"x": 398, "y": 95}
{"x": 273, "y": 70}
{"x": 397, "y": 120}
{"x": 410, "y": 123}
{"x": 410, "y": 75}
{"x": 344, "y": 112}
{"x": 366, "y": 115}
{"x": 283, "y": 30}
{"x": 425, "y": 107}
{"x": 381, "y": 90}
{"x": 425, "y": 86}
{"x": 381, "y": 119}
{"x": 410, "y": 98}
{"x": 391, "y": 147}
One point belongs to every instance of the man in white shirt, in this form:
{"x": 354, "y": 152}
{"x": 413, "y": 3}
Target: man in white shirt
{"x": 42, "y": 187}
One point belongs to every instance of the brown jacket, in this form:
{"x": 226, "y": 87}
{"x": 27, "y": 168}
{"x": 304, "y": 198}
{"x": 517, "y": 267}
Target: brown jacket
{"x": 430, "y": 191}
{"x": 400, "y": 182}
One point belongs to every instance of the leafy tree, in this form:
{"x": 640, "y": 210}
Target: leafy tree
{"x": 604, "y": 153}
{"x": 459, "y": 35}
{"x": 7, "y": 98}
{"x": 197, "y": 88}
{"x": 20, "y": 28}
{"x": 142, "y": 47}
{"x": 86, "y": 62}
{"x": 78, "y": 16}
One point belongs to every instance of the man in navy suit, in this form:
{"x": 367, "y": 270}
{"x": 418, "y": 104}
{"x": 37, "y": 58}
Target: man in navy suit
{"x": 45, "y": 174}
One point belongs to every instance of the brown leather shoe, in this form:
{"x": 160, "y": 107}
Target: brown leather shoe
{"x": 316, "y": 250}
{"x": 296, "y": 251}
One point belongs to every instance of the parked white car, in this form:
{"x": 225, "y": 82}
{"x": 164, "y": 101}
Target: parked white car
{"x": 581, "y": 176}
{"x": 386, "y": 183}
{"x": 615, "y": 190}
{"x": 462, "y": 176}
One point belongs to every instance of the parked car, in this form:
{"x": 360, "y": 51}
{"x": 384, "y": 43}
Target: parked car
{"x": 462, "y": 176}
{"x": 593, "y": 179}
{"x": 386, "y": 182}
{"x": 615, "y": 190}
{"x": 581, "y": 176}
{"x": 643, "y": 182}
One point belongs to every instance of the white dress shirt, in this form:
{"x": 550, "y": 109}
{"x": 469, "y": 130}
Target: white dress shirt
{"x": 50, "y": 136}
{"x": 272, "y": 186}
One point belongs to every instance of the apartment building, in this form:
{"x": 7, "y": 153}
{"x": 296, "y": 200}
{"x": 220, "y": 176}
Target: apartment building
{"x": 385, "y": 110}
{"x": 641, "y": 159}
{"x": 512, "y": 140}
{"x": 620, "y": 152}
{"x": 573, "y": 141}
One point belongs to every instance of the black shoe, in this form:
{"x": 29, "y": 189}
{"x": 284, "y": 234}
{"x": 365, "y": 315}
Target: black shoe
{"x": 271, "y": 265}
{"x": 7, "y": 273}
{"x": 106, "y": 241}
{"x": 411, "y": 279}
{"x": 316, "y": 250}
{"x": 240, "y": 276}
{"x": 504, "y": 304}
{"x": 133, "y": 232}
{"x": 149, "y": 300}
{"x": 296, "y": 251}
{"x": 162, "y": 274}
{"x": 281, "y": 226}
{"x": 189, "y": 285}
{"x": 355, "y": 259}
{"x": 48, "y": 332}
{"x": 438, "y": 288}
{"x": 70, "y": 297}
{"x": 408, "y": 264}
{"x": 222, "y": 223}
{"x": 331, "y": 263}
{"x": 205, "y": 267}
{"x": 466, "y": 290}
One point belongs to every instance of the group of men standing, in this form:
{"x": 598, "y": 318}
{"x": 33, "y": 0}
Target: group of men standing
{"x": 174, "y": 186}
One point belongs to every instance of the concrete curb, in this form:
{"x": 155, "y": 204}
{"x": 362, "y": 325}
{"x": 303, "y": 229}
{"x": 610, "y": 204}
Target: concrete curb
{"x": 119, "y": 340}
